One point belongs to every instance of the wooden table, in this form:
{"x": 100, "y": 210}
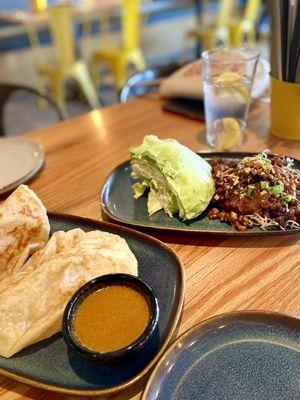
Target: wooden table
{"x": 222, "y": 274}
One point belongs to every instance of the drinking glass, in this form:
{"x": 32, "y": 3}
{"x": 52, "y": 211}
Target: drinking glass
{"x": 228, "y": 77}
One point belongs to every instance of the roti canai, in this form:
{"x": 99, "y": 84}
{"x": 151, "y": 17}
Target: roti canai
{"x": 24, "y": 229}
{"x": 32, "y": 304}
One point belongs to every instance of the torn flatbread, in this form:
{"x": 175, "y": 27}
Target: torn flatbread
{"x": 24, "y": 229}
{"x": 32, "y": 305}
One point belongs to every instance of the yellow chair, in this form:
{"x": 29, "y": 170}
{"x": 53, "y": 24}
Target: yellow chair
{"x": 38, "y": 6}
{"x": 244, "y": 31}
{"x": 211, "y": 35}
{"x": 66, "y": 66}
{"x": 128, "y": 52}
{"x": 87, "y": 21}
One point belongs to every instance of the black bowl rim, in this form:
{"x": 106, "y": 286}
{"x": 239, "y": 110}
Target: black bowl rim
{"x": 89, "y": 288}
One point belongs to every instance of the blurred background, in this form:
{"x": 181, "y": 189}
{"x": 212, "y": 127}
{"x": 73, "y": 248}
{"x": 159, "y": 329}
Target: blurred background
{"x": 61, "y": 59}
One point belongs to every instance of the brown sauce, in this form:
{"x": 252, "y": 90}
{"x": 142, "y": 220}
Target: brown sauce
{"x": 111, "y": 318}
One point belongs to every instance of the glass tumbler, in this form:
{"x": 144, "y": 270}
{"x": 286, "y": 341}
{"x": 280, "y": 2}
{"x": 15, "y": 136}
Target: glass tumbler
{"x": 227, "y": 78}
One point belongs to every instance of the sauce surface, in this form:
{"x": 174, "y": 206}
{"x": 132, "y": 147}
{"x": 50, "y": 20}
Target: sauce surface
{"x": 111, "y": 318}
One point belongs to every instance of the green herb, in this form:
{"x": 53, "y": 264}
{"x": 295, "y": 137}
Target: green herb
{"x": 265, "y": 162}
{"x": 286, "y": 199}
{"x": 264, "y": 185}
{"x": 277, "y": 189}
{"x": 250, "y": 192}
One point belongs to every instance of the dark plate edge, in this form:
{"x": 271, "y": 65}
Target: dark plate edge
{"x": 242, "y": 313}
{"x": 136, "y": 378}
{"x": 31, "y": 173}
{"x": 193, "y": 231}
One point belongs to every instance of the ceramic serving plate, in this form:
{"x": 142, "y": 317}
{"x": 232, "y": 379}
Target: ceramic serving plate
{"x": 49, "y": 365}
{"x": 242, "y": 355}
{"x": 20, "y": 160}
{"x": 119, "y": 205}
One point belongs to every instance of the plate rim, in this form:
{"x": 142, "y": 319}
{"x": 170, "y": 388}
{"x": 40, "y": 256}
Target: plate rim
{"x": 33, "y": 172}
{"x": 125, "y": 385}
{"x": 207, "y": 321}
{"x": 158, "y": 228}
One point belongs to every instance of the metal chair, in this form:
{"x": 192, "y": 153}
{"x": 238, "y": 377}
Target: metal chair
{"x": 128, "y": 52}
{"x": 8, "y": 92}
{"x": 244, "y": 31}
{"x": 66, "y": 65}
{"x": 146, "y": 81}
{"x": 210, "y": 36}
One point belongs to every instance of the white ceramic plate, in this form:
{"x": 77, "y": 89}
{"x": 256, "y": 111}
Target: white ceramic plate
{"x": 20, "y": 160}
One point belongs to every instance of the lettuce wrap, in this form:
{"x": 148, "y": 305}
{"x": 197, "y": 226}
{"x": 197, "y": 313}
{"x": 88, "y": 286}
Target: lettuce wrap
{"x": 179, "y": 180}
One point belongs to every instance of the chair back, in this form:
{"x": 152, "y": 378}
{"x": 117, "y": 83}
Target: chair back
{"x": 62, "y": 33}
{"x": 225, "y": 12}
{"x": 131, "y": 24}
{"x": 252, "y": 11}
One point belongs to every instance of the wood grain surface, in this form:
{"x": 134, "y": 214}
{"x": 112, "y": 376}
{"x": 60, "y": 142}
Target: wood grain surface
{"x": 223, "y": 274}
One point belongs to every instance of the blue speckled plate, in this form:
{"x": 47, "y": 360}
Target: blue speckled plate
{"x": 119, "y": 205}
{"x": 236, "y": 356}
{"x": 49, "y": 365}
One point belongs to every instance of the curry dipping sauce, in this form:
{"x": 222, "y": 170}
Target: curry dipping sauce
{"x": 111, "y": 318}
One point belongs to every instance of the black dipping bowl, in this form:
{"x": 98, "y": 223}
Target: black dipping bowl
{"x": 91, "y": 287}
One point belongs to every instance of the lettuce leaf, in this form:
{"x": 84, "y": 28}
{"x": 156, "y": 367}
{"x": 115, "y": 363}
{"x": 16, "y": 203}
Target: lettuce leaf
{"x": 179, "y": 181}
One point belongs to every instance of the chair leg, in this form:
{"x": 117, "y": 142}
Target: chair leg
{"x": 41, "y": 87}
{"x": 3, "y": 97}
{"x": 208, "y": 42}
{"x": 243, "y": 34}
{"x": 58, "y": 92}
{"x": 82, "y": 76}
{"x": 119, "y": 68}
{"x": 138, "y": 60}
{"x": 251, "y": 37}
{"x": 237, "y": 36}
{"x": 226, "y": 41}
{"x": 95, "y": 72}
{"x": 222, "y": 36}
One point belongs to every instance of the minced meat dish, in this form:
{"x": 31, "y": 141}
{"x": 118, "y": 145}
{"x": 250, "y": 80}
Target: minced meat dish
{"x": 257, "y": 190}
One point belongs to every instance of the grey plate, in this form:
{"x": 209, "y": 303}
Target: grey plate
{"x": 237, "y": 356}
{"x": 49, "y": 365}
{"x": 118, "y": 204}
{"x": 21, "y": 158}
